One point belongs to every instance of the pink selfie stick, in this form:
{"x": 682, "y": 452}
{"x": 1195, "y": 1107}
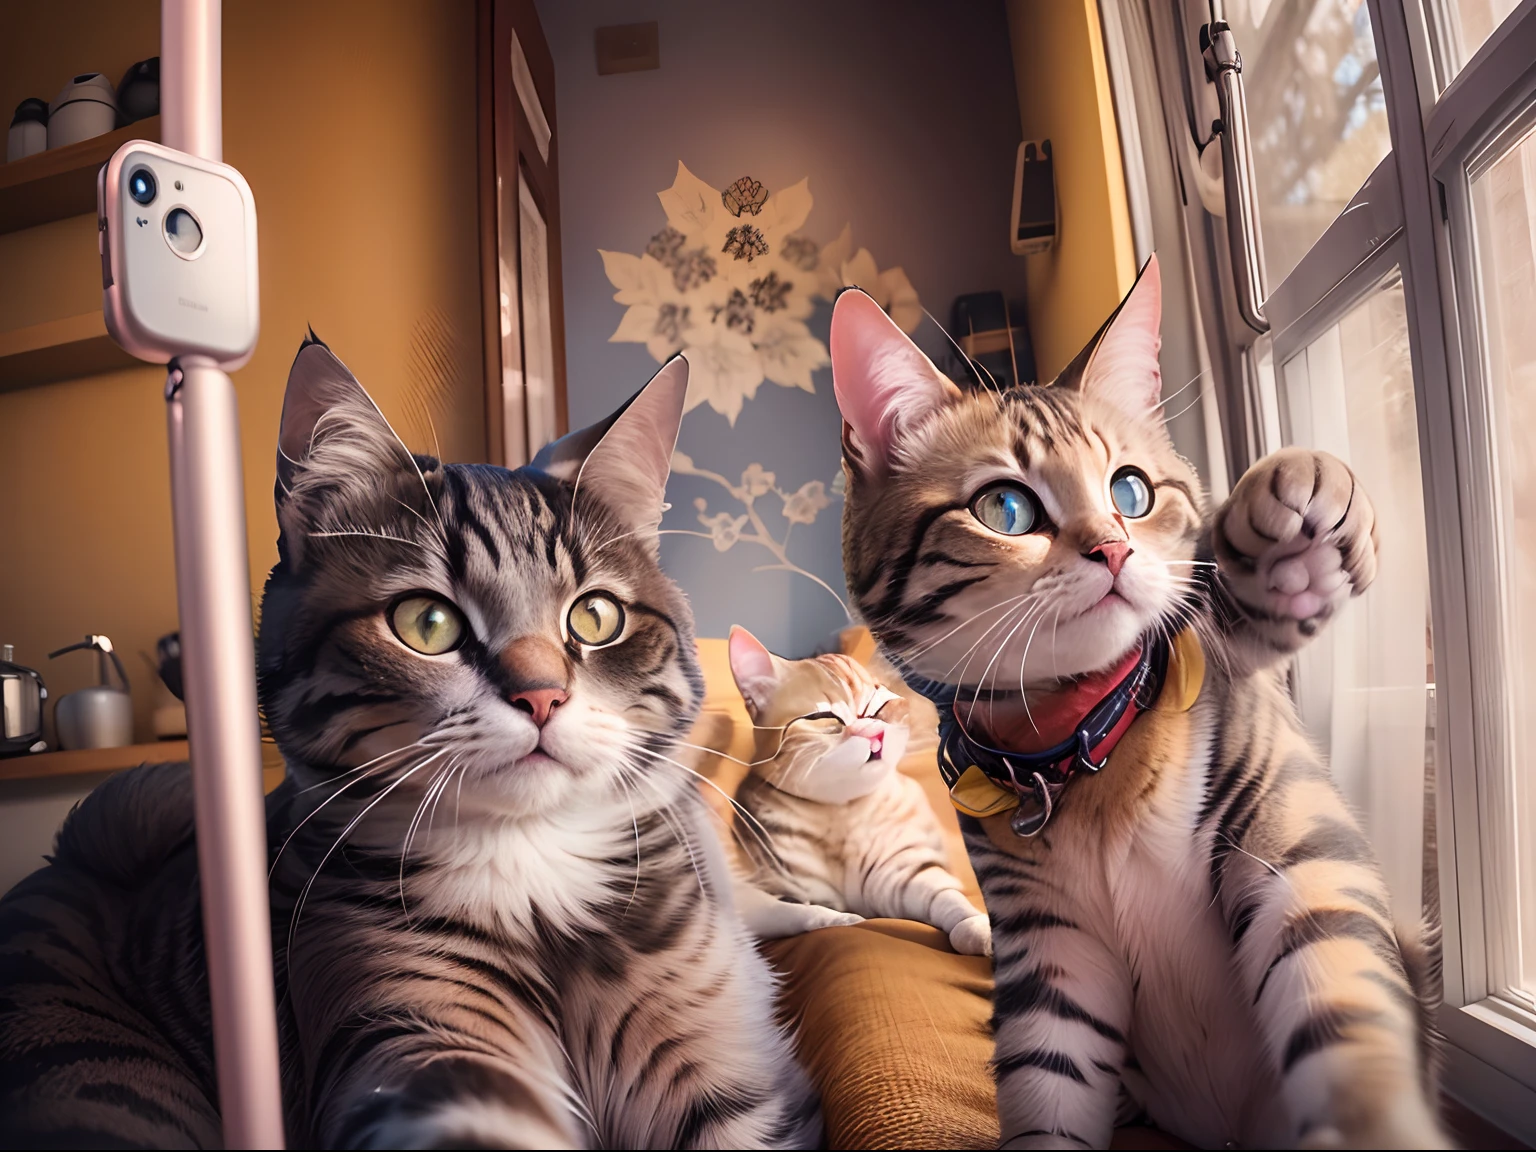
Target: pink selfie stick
{"x": 219, "y": 667}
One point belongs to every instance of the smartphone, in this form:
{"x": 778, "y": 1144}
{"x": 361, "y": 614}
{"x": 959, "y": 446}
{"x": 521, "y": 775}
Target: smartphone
{"x": 178, "y": 256}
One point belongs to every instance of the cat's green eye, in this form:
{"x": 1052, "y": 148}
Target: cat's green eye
{"x": 1008, "y": 508}
{"x": 596, "y": 619}
{"x": 427, "y": 624}
{"x": 1131, "y": 492}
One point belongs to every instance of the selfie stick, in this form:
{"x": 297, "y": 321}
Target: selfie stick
{"x": 213, "y": 597}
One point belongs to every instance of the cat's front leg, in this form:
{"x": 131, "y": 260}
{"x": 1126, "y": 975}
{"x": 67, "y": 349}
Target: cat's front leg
{"x": 1317, "y": 955}
{"x": 1061, "y": 1009}
{"x": 770, "y": 918}
{"x": 1296, "y": 538}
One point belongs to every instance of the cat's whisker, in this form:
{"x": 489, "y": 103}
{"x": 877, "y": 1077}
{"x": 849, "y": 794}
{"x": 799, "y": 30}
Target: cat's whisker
{"x": 754, "y": 825}
{"x": 955, "y": 344}
{"x": 1192, "y": 382}
{"x": 969, "y": 654}
{"x": 1023, "y": 661}
{"x": 440, "y": 551}
{"x": 1001, "y": 622}
{"x": 298, "y": 911}
{"x": 439, "y": 780}
{"x": 634, "y": 821}
{"x": 663, "y": 809}
{"x": 810, "y": 575}
{"x": 926, "y": 648}
{"x": 375, "y": 766}
{"x": 326, "y": 535}
{"x": 997, "y": 654}
{"x": 1188, "y": 407}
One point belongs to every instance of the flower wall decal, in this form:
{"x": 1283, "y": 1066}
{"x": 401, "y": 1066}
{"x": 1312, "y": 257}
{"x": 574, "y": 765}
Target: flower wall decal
{"x": 726, "y": 529}
{"x": 731, "y": 280}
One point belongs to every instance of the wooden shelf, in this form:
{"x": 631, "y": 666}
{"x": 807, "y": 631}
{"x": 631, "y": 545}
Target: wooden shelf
{"x": 62, "y": 349}
{"x": 61, "y": 183}
{"x": 49, "y": 765}
{"x": 87, "y": 760}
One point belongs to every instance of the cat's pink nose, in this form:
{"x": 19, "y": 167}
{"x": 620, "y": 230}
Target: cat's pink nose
{"x": 1112, "y": 553}
{"x": 539, "y": 703}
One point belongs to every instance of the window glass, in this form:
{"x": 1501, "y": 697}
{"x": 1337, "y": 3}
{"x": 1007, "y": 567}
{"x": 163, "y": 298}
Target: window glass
{"x": 1504, "y": 208}
{"x": 1317, "y": 116}
{"x": 1365, "y": 686}
{"x": 1465, "y": 25}
{"x": 538, "y": 337}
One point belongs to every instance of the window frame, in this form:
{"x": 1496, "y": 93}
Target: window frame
{"x": 1468, "y": 124}
{"x": 1415, "y": 213}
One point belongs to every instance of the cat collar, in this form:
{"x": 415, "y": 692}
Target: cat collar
{"x": 1037, "y": 779}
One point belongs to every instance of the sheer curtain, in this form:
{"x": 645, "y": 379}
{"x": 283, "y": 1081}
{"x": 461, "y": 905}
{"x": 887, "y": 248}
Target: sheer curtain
{"x": 1365, "y": 687}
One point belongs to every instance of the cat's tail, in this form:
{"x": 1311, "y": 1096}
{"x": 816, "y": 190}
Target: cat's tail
{"x": 129, "y": 826}
{"x": 1420, "y": 946}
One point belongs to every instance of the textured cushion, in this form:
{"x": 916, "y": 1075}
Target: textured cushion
{"x": 892, "y": 1026}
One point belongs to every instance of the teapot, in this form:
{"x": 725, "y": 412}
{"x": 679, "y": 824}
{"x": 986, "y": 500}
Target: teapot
{"x": 100, "y": 716}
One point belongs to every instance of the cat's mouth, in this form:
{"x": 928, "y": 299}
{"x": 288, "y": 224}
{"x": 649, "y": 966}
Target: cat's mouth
{"x": 884, "y": 741}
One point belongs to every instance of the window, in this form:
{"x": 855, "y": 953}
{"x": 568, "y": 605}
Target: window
{"x": 1385, "y": 195}
{"x": 1365, "y": 687}
{"x": 1317, "y": 115}
{"x": 1464, "y": 26}
{"x": 1503, "y": 202}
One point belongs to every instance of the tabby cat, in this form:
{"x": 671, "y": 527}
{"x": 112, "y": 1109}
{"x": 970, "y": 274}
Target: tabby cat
{"x": 499, "y": 917}
{"x": 835, "y": 831}
{"x": 1200, "y": 927}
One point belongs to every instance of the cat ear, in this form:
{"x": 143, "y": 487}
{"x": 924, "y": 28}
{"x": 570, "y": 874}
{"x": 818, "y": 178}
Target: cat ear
{"x": 754, "y": 668}
{"x": 625, "y": 459}
{"x": 1120, "y": 363}
{"x": 331, "y": 432}
{"x": 883, "y": 382}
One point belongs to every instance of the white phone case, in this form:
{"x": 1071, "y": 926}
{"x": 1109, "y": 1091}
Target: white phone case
{"x": 161, "y": 302}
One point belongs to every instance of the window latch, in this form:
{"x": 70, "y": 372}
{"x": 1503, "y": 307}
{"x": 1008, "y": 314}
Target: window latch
{"x": 1224, "y": 68}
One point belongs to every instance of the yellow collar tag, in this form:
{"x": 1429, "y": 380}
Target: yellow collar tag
{"x": 975, "y": 795}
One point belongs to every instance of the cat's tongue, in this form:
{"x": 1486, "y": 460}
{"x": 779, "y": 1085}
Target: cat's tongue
{"x": 1051, "y": 716}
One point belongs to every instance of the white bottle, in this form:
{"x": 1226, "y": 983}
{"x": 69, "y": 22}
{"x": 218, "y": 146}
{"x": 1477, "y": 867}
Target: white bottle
{"x": 29, "y": 130}
{"x": 87, "y": 107}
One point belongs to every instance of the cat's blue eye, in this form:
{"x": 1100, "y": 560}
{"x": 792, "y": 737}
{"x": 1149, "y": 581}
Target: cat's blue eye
{"x": 1008, "y": 508}
{"x": 1131, "y": 492}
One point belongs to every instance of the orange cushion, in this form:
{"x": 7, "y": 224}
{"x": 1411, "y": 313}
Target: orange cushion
{"x": 892, "y": 1027}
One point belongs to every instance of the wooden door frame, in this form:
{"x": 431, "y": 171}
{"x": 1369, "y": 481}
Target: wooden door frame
{"x": 508, "y": 154}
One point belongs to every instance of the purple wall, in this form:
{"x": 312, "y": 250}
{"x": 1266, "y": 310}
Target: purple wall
{"x": 905, "y": 119}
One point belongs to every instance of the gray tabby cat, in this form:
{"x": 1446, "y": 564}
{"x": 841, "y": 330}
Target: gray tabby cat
{"x": 1200, "y": 926}
{"x": 499, "y": 918}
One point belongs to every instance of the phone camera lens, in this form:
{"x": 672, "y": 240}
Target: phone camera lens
{"x": 141, "y": 186}
{"x": 183, "y": 231}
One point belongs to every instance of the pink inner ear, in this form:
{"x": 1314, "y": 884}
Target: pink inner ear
{"x": 751, "y": 663}
{"x": 1124, "y": 368}
{"x": 882, "y": 380}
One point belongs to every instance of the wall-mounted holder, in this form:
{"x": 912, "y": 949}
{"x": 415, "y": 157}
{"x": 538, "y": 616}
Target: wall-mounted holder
{"x": 1034, "y": 225}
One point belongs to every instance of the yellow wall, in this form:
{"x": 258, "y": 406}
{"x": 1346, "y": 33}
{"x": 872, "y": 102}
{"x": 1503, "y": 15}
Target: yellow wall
{"x": 1064, "y": 96}
{"x": 355, "y": 124}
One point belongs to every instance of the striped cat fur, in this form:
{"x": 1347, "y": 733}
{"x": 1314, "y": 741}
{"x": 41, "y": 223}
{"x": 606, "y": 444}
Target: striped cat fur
{"x": 499, "y": 918}
{"x": 1201, "y": 932}
{"x": 832, "y": 831}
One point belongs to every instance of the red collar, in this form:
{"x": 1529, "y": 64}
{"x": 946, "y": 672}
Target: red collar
{"x": 1034, "y": 724}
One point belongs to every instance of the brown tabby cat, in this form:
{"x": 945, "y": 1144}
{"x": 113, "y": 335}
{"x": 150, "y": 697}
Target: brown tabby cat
{"x": 1201, "y": 925}
{"x": 836, "y": 832}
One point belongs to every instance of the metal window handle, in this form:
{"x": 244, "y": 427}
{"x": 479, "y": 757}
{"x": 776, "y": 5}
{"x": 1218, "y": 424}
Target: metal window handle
{"x": 1224, "y": 68}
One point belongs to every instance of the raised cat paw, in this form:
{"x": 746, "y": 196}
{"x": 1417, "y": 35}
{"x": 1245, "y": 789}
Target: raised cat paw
{"x": 1297, "y": 535}
{"x": 972, "y": 936}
